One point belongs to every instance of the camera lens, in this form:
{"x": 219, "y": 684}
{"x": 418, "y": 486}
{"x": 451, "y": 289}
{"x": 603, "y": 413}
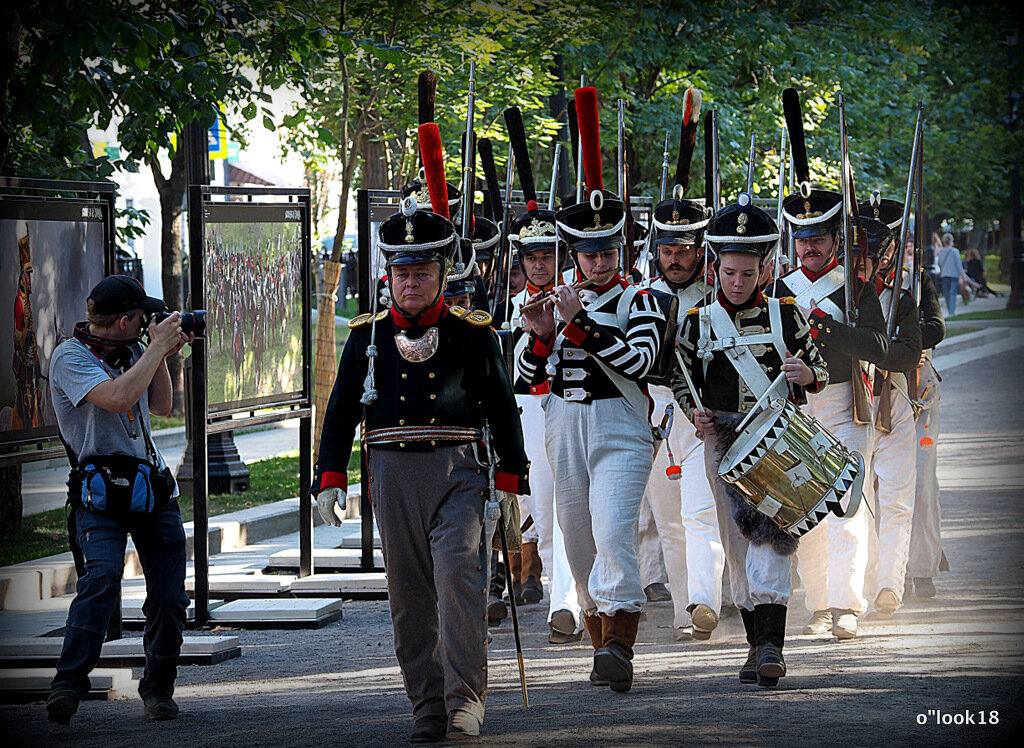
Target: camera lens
{"x": 194, "y": 322}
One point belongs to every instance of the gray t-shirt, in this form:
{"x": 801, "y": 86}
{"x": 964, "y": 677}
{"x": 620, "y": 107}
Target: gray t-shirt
{"x": 89, "y": 430}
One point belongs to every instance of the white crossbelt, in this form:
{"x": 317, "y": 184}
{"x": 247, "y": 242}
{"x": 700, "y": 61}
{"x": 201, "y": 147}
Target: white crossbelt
{"x": 805, "y": 290}
{"x": 737, "y": 347}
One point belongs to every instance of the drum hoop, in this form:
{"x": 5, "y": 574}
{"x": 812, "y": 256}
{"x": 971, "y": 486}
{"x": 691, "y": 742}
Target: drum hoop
{"x": 733, "y": 456}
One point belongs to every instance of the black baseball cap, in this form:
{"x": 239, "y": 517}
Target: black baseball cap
{"x": 117, "y": 294}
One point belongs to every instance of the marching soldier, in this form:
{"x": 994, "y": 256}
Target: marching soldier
{"x": 597, "y": 430}
{"x": 533, "y": 240}
{"x": 421, "y": 378}
{"x": 684, "y": 508}
{"x": 926, "y": 557}
{"x": 894, "y": 462}
{"x": 833, "y": 557}
{"x": 732, "y": 349}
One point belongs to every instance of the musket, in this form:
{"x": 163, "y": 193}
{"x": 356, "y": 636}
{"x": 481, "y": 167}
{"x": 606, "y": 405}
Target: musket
{"x": 493, "y": 497}
{"x": 621, "y": 150}
{"x": 790, "y": 241}
{"x": 626, "y": 251}
{"x": 579, "y": 160}
{"x": 664, "y": 168}
{"x": 574, "y": 140}
{"x": 897, "y": 258}
{"x": 554, "y": 176}
{"x": 778, "y": 210}
{"x": 750, "y": 165}
{"x": 551, "y": 201}
{"x": 506, "y": 210}
{"x": 914, "y": 380}
{"x": 468, "y": 157}
{"x": 852, "y": 235}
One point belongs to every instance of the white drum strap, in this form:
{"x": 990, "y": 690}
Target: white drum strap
{"x": 738, "y": 353}
{"x": 775, "y": 320}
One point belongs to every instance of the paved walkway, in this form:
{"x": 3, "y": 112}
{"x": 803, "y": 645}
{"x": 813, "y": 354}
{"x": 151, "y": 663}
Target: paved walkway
{"x": 953, "y": 658}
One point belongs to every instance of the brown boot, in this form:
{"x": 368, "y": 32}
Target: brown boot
{"x": 593, "y": 624}
{"x": 612, "y": 660}
{"x": 533, "y": 590}
{"x": 515, "y": 563}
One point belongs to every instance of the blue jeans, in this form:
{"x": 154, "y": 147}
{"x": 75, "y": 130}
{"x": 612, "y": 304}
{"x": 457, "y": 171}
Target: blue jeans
{"x": 160, "y": 541}
{"x": 950, "y": 289}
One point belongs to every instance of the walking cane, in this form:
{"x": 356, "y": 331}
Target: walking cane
{"x": 491, "y": 467}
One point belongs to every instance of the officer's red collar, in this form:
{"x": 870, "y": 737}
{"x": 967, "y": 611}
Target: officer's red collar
{"x": 814, "y": 276}
{"x": 755, "y": 299}
{"x": 424, "y": 319}
{"x": 879, "y": 284}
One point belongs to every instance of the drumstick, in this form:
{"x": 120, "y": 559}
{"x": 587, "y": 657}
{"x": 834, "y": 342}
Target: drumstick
{"x": 689, "y": 382}
{"x": 761, "y": 400}
{"x": 578, "y": 285}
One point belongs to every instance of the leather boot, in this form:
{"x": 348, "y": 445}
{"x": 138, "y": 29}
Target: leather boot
{"x": 748, "y": 673}
{"x": 532, "y": 568}
{"x": 612, "y": 660}
{"x": 770, "y": 620}
{"x": 515, "y": 563}
{"x": 593, "y": 624}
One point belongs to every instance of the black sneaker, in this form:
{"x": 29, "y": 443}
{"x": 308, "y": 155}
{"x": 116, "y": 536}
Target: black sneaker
{"x": 61, "y": 706}
{"x": 429, "y": 729}
{"x": 160, "y": 707}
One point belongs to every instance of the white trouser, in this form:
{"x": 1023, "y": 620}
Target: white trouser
{"x": 833, "y": 557}
{"x": 925, "y": 538}
{"x": 758, "y": 575}
{"x": 550, "y": 543}
{"x": 894, "y": 465}
{"x": 686, "y": 517}
{"x": 648, "y": 546}
{"x": 600, "y": 455}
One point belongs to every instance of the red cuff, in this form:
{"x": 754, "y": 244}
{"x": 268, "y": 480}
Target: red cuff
{"x": 815, "y": 387}
{"x": 816, "y": 315}
{"x": 330, "y": 479}
{"x": 543, "y": 348}
{"x": 574, "y": 333}
{"x": 506, "y": 482}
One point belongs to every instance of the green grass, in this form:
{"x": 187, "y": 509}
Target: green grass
{"x": 270, "y": 480}
{"x": 991, "y": 314}
{"x": 170, "y": 422}
{"x": 952, "y": 332}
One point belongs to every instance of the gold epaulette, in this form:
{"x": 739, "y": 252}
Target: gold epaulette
{"x": 382, "y": 314}
{"x": 787, "y": 300}
{"x": 692, "y": 311}
{"x": 363, "y": 319}
{"x": 475, "y": 317}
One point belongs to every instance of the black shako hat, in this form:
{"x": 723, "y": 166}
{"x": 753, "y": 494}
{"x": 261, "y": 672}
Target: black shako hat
{"x": 742, "y": 227}
{"x": 418, "y": 189}
{"x": 414, "y": 236}
{"x": 816, "y": 215}
{"x": 593, "y": 225}
{"x": 117, "y": 294}
{"x": 889, "y": 212}
{"x": 533, "y": 230}
{"x": 680, "y": 221}
{"x": 879, "y": 236}
{"x": 485, "y": 237}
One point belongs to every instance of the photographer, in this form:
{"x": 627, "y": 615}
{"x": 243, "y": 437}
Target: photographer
{"x": 104, "y": 383}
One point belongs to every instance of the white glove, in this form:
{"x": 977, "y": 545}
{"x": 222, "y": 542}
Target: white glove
{"x": 331, "y": 504}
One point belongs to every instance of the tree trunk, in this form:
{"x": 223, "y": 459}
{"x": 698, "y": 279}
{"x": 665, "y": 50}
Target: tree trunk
{"x": 172, "y": 195}
{"x": 1005, "y": 247}
{"x": 375, "y": 165}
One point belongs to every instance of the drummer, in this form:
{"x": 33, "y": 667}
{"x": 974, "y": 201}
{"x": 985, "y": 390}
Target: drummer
{"x": 736, "y": 349}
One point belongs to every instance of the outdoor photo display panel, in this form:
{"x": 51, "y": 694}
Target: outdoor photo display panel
{"x": 52, "y": 253}
{"x": 254, "y": 280}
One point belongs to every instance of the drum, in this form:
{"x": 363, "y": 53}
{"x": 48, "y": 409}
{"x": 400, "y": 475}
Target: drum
{"x": 792, "y": 470}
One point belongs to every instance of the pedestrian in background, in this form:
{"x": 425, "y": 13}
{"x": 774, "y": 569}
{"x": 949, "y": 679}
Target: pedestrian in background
{"x": 950, "y": 270}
